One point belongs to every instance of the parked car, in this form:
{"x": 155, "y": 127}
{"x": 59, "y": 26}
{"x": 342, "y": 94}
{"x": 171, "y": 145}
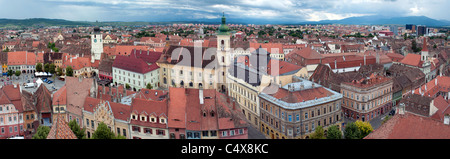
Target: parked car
{"x": 49, "y": 81}
{"x": 392, "y": 112}
{"x": 45, "y": 80}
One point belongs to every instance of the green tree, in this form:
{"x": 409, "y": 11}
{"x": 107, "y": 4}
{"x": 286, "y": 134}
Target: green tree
{"x": 103, "y": 132}
{"x": 351, "y": 131}
{"x": 10, "y": 72}
{"x": 69, "y": 71}
{"x": 42, "y": 132}
{"x": 334, "y": 133}
{"x": 17, "y": 73}
{"x": 318, "y": 133}
{"x": 39, "y": 67}
{"x": 79, "y": 132}
{"x": 364, "y": 127}
{"x": 414, "y": 46}
{"x": 149, "y": 86}
{"x": 127, "y": 86}
{"x": 59, "y": 71}
{"x": 47, "y": 67}
{"x": 52, "y": 68}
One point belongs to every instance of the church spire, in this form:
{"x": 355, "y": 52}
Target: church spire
{"x": 223, "y": 18}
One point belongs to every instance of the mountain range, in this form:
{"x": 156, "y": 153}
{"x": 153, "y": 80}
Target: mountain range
{"x": 379, "y": 20}
{"x": 363, "y": 20}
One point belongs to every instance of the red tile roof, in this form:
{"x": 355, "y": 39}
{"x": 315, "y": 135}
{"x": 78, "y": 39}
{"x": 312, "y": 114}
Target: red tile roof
{"x": 306, "y": 53}
{"x": 21, "y": 58}
{"x": 410, "y": 126}
{"x": 60, "y": 130}
{"x": 300, "y": 96}
{"x": 138, "y": 61}
{"x": 412, "y": 60}
{"x": 60, "y": 96}
{"x": 443, "y": 107}
{"x": 149, "y": 108}
{"x": 438, "y": 84}
{"x": 124, "y": 49}
{"x": 177, "y": 108}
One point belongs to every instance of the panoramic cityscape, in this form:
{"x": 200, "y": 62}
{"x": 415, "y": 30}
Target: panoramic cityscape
{"x": 224, "y": 70}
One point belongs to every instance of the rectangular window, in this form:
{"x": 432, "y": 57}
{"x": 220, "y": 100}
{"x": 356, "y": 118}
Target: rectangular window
{"x": 148, "y": 131}
{"x": 241, "y": 131}
{"x": 290, "y": 118}
{"x": 213, "y": 133}
{"x": 161, "y": 132}
{"x": 135, "y": 128}
{"x": 297, "y": 117}
{"x": 124, "y": 132}
{"x": 224, "y": 133}
{"x": 92, "y": 124}
{"x": 205, "y": 133}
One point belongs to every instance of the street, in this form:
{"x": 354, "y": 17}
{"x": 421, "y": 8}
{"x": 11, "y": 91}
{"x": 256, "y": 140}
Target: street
{"x": 376, "y": 122}
{"x": 29, "y": 78}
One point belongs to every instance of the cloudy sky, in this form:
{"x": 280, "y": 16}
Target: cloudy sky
{"x": 185, "y": 10}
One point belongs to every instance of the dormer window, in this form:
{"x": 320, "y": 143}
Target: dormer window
{"x": 162, "y": 120}
{"x": 152, "y": 119}
{"x": 143, "y": 118}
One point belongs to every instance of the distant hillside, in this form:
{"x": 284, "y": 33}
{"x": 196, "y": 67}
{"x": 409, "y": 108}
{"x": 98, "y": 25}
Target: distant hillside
{"x": 380, "y": 20}
{"x": 38, "y": 22}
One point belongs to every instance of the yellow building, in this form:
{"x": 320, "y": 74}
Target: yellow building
{"x": 296, "y": 109}
{"x": 250, "y": 74}
{"x": 114, "y": 115}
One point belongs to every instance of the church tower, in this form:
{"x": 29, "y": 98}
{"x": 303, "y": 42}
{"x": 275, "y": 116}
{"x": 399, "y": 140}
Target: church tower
{"x": 223, "y": 52}
{"x": 96, "y": 45}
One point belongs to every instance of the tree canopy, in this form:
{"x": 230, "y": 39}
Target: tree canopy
{"x": 69, "y": 71}
{"x": 103, "y": 132}
{"x": 364, "y": 127}
{"x": 318, "y": 133}
{"x": 334, "y": 133}
{"x": 42, "y": 132}
{"x": 351, "y": 131}
{"x": 39, "y": 67}
{"x": 79, "y": 132}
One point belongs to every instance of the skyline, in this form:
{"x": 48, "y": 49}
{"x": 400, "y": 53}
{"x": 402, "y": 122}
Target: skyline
{"x": 260, "y": 10}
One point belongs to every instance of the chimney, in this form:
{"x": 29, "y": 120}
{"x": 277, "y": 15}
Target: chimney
{"x": 200, "y": 95}
{"x": 117, "y": 91}
{"x": 110, "y": 90}
{"x": 401, "y": 108}
{"x": 234, "y": 104}
{"x": 364, "y": 59}
{"x": 435, "y": 81}
{"x": 447, "y": 119}
{"x": 124, "y": 90}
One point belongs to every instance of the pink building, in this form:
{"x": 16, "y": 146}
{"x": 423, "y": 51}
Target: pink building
{"x": 204, "y": 114}
{"x": 11, "y": 112}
